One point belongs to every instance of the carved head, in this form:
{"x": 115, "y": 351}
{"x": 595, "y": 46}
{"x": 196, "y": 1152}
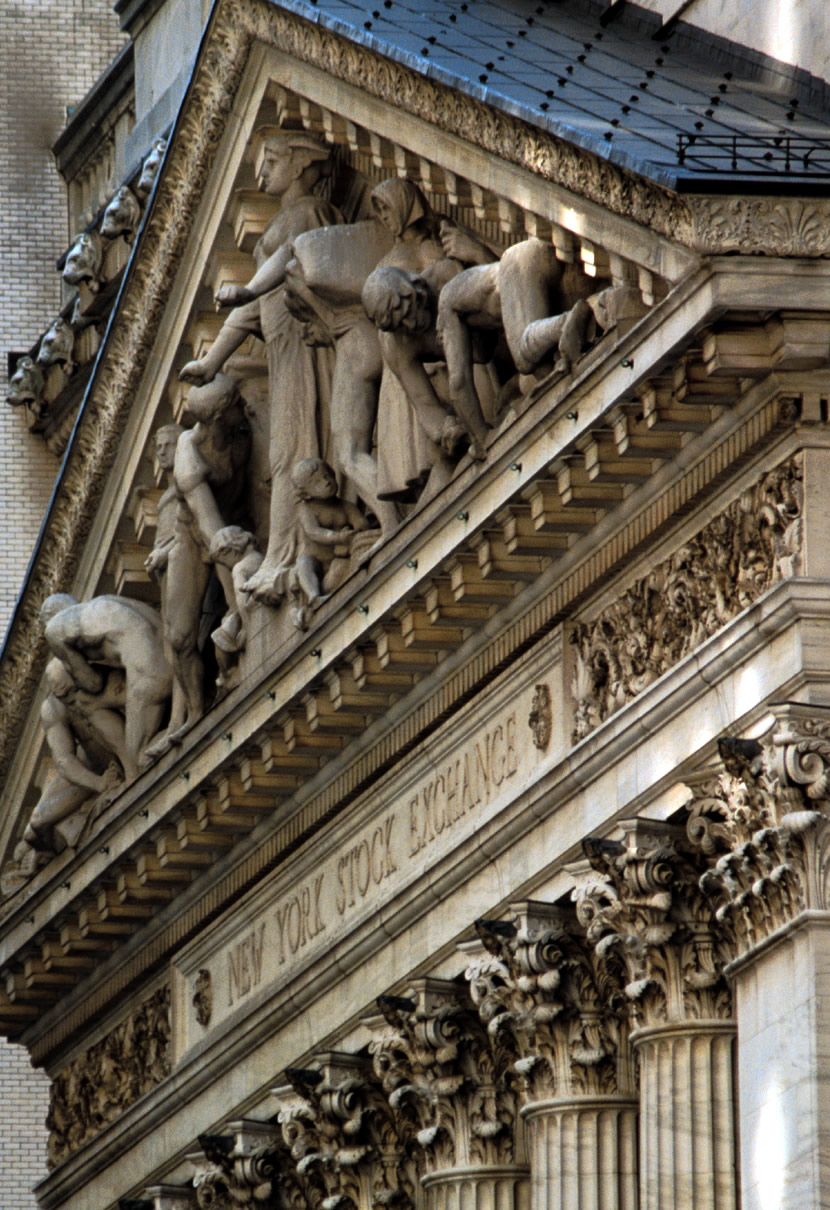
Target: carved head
{"x": 394, "y": 298}
{"x": 166, "y": 439}
{"x": 83, "y": 260}
{"x": 209, "y": 401}
{"x": 313, "y": 479}
{"x": 121, "y": 215}
{"x": 288, "y": 154}
{"x": 25, "y": 384}
{"x": 56, "y": 604}
{"x": 150, "y": 167}
{"x": 57, "y": 345}
{"x": 231, "y": 544}
{"x": 399, "y": 204}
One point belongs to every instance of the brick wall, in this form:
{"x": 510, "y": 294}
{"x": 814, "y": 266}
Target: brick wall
{"x": 23, "y": 1104}
{"x": 51, "y": 53}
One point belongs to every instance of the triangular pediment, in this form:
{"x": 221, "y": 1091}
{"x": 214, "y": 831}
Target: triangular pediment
{"x": 458, "y": 536}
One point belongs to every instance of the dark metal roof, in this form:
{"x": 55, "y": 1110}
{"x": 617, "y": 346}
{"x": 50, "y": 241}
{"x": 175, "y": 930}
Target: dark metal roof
{"x": 689, "y": 116}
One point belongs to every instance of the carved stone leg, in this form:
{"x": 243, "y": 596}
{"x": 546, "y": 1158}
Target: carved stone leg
{"x": 583, "y": 1153}
{"x": 687, "y": 1116}
{"x": 479, "y": 1188}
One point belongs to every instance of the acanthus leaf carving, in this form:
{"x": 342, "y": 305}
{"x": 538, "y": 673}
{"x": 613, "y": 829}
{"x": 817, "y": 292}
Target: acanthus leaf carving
{"x": 762, "y": 822}
{"x": 654, "y": 929}
{"x": 720, "y": 571}
{"x": 438, "y": 1073}
{"x": 241, "y": 1168}
{"x": 541, "y": 995}
{"x": 341, "y": 1138}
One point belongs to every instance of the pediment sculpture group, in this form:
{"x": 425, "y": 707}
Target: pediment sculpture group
{"x": 396, "y": 346}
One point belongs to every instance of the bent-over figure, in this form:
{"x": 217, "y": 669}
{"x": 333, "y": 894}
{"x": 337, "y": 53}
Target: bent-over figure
{"x": 90, "y": 637}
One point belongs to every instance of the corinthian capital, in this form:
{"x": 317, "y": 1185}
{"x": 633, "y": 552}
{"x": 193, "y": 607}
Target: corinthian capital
{"x": 438, "y": 1073}
{"x": 654, "y": 931}
{"x": 538, "y": 993}
{"x": 340, "y": 1134}
{"x": 763, "y": 821}
{"x": 239, "y": 1168}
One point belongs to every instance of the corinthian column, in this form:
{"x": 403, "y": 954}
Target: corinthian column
{"x": 763, "y": 822}
{"x": 656, "y": 939}
{"x": 537, "y": 993}
{"x": 450, "y": 1099}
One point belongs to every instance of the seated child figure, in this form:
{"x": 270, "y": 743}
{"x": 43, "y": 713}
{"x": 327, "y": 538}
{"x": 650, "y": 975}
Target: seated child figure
{"x": 236, "y": 549}
{"x": 328, "y": 527}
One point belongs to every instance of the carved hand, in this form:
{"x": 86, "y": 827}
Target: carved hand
{"x": 230, "y": 295}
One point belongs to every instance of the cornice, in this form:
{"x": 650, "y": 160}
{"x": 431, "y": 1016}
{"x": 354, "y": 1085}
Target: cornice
{"x": 761, "y": 224}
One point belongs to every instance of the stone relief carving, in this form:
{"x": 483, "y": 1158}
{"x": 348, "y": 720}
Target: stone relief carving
{"x": 107, "y": 685}
{"x": 83, "y": 261}
{"x": 292, "y": 164}
{"x": 95, "y": 1089}
{"x": 242, "y": 1168}
{"x": 540, "y": 719}
{"x": 762, "y": 823}
{"x": 654, "y": 929}
{"x": 25, "y": 390}
{"x": 150, "y": 167}
{"x": 203, "y": 997}
{"x": 440, "y": 1077}
{"x": 739, "y": 555}
{"x": 330, "y": 530}
{"x": 57, "y": 346}
{"x": 542, "y": 997}
{"x": 111, "y": 649}
{"x": 122, "y": 215}
{"x": 205, "y": 489}
{"x": 341, "y": 1137}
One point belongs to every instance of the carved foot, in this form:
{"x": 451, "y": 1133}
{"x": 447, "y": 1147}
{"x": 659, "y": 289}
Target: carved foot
{"x": 453, "y": 435}
{"x": 161, "y": 744}
{"x": 269, "y": 584}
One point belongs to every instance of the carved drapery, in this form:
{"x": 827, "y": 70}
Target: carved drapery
{"x": 95, "y": 1089}
{"x": 741, "y": 553}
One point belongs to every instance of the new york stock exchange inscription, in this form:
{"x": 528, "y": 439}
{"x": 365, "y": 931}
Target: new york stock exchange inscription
{"x": 444, "y": 797}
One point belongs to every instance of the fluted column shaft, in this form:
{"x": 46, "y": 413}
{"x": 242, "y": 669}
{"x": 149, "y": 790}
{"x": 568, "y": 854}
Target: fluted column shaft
{"x": 687, "y": 1116}
{"x": 583, "y": 1153}
{"x": 478, "y": 1188}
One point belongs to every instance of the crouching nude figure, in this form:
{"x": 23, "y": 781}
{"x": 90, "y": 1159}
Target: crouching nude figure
{"x": 90, "y": 637}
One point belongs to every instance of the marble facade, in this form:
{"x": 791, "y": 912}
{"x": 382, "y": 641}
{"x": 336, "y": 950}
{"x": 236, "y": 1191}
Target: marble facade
{"x": 473, "y": 853}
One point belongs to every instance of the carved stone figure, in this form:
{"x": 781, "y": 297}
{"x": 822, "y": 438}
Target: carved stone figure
{"x": 83, "y": 733}
{"x": 122, "y": 215}
{"x": 83, "y": 261}
{"x": 403, "y": 307}
{"x": 525, "y": 293}
{"x": 236, "y": 550}
{"x": 293, "y": 162}
{"x": 57, "y": 345}
{"x": 150, "y": 167}
{"x": 26, "y": 385}
{"x": 207, "y": 480}
{"x": 329, "y": 529}
{"x": 91, "y": 637}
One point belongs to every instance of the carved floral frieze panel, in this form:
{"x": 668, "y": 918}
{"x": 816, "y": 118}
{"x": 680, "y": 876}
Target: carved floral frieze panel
{"x": 688, "y": 597}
